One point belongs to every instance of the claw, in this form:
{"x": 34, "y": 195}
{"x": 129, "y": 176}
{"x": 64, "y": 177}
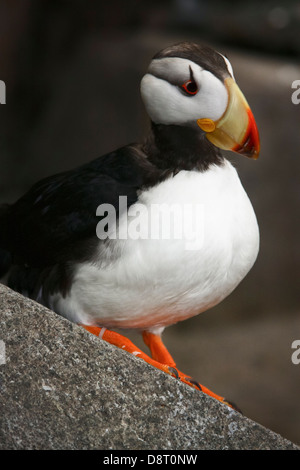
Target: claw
{"x": 232, "y": 405}
{"x": 194, "y": 382}
{"x": 174, "y": 372}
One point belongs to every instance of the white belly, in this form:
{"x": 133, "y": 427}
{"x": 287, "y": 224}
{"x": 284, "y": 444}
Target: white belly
{"x": 157, "y": 282}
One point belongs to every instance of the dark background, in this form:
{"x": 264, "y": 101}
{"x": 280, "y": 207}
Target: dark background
{"x": 72, "y": 71}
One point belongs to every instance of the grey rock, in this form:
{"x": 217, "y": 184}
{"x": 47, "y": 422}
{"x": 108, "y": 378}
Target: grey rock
{"x": 63, "y": 388}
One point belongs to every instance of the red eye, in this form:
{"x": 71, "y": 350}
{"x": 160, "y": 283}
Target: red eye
{"x": 190, "y": 87}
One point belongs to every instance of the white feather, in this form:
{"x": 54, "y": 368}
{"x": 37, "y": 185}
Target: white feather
{"x": 166, "y": 104}
{"x": 155, "y": 283}
{"x": 228, "y": 64}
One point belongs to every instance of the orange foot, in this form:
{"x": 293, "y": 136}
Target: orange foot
{"x": 161, "y": 358}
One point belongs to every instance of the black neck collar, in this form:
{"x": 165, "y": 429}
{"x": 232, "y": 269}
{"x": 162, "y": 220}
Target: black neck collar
{"x": 175, "y": 148}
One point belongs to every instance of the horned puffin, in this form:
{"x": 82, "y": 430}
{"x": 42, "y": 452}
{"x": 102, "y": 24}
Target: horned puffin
{"x": 69, "y": 244}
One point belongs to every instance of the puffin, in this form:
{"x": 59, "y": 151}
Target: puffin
{"x": 154, "y": 232}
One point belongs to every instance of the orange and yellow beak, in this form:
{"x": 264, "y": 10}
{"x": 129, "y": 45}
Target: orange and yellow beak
{"x": 236, "y": 130}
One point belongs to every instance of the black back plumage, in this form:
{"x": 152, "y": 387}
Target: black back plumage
{"x": 56, "y": 220}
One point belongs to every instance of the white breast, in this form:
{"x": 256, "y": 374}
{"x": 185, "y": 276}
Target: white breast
{"x": 151, "y": 283}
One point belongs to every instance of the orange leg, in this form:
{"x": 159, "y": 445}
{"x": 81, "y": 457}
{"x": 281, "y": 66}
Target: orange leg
{"x": 124, "y": 343}
{"x": 158, "y": 350}
{"x": 161, "y": 358}
{"x": 160, "y": 353}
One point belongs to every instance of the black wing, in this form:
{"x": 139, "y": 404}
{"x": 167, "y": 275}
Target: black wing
{"x": 55, "y": 221}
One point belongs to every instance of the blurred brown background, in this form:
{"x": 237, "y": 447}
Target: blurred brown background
{"x": 72, "y": 71}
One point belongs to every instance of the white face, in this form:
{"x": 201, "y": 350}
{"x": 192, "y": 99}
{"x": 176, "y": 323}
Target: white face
{"x": 166, "y": 101}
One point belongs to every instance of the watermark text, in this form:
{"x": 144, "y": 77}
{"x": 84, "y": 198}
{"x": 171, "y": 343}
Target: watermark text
{"x": 296, "y": 354}
{"x": 296, "y": 94}
{"x": 2, "y": 92}
{"x": 155, "y": 222}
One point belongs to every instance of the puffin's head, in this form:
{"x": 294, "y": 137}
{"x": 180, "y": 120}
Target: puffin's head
{"x": 191, "y": 85}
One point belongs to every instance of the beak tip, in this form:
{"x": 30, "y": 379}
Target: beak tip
{"x": 248, "y": 149}
{"x": 251, "y": 145}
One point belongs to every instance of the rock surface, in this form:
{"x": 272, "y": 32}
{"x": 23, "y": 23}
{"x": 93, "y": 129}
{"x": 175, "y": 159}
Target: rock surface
{"x": 63, "y": 388}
